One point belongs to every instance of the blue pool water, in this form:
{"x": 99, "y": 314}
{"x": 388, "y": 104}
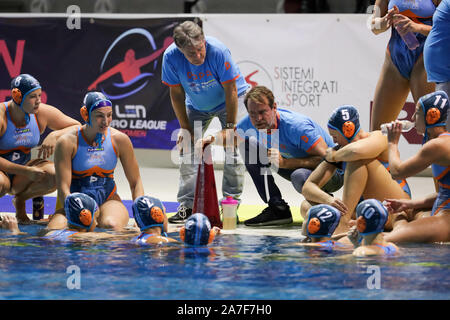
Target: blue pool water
{"x": 233, "y": 267}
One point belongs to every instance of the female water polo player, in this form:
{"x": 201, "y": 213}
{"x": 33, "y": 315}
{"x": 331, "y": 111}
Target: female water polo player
{"x": 321, "y": 222}
{"x": 364, "y": 157}
{"x": 150, "y": 216}
{"x": 22, "y": 121}
{"x": 430, "y": 225}
{"x": 403, "y": 69}
{"x": 371, "y": 219}
{"x": 85, "y": 161}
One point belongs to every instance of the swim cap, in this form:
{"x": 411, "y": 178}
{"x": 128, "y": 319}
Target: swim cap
{"x": 197, "y": 230}
{"x": 148, "y": 212}
{"x": 371, "y": 217}
{"x": 322, "y": 220}
{"x": 435, "y": 106}
{"x": 345, "y": 119}
{"x": 21, "y": 86}
{"x": 94, "y": 100}
{"x": 80, "y": 210}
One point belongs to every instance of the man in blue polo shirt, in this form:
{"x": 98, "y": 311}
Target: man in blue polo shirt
{"x": 204, "y": 83}
{"x": 288, "y": 142}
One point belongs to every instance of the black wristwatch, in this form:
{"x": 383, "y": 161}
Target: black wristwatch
{"x": 230, "y": 125}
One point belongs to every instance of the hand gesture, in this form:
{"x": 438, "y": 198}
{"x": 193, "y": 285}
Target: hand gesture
{"x": 275, "y": 157}
{"x": 397, "y": 205}
{"x": 329, "y": 155}
{"x": 47, "y": 147}
{"x": 340, "y": 205}
{"x": 404, "y": 24}
{"x": 10, "y": 223}
{"x": 35, "y": 173}
{"x": 394, "y": 130}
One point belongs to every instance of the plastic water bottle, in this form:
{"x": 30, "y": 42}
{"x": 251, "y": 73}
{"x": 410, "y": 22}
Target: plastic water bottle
{"x": 229, "y": 209}
{"x": 406, "y": 126}
{"x": 38, "y": 208}
{"x": 410, "y": 39}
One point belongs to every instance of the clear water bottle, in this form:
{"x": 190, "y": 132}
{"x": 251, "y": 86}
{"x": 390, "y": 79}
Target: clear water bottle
{"x": 229, "y": 207}
{"x": 38, "y": 208}
{"x": 410, "y": 39}
{"x": 406, "y": 126}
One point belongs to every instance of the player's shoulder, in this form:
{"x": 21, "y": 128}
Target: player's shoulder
{"x": 118, "y": 136}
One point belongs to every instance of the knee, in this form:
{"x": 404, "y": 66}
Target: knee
{"x": 111, "y": 223}
{"x": 299, "y": 177}
{"x": 304, "y": 207}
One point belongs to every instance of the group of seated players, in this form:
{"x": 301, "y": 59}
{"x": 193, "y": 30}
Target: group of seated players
{"x": 364, "y": 156}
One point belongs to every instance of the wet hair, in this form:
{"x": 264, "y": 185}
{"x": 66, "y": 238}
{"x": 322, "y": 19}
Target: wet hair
{"x": 187, "y": 34}
{"x": 257, "y": 94}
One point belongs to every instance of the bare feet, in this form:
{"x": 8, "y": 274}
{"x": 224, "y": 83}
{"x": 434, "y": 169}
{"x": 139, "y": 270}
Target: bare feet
{"x": 354, "y": 236}
{"x": 21, "y": 213}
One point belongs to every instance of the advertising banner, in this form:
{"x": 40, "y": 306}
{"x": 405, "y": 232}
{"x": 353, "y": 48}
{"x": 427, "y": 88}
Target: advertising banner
{"x": 312, "y": 63}
{"x": 119, "y": 57}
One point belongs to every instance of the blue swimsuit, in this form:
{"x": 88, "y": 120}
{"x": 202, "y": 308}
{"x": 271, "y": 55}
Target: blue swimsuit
{"x": 403, "y": 58}
{"x": 388, "y": 250}
{"x": 16, "y": 143}
{"x": 93, "y": 169}
{"x": 61, "y": 235}
{"x": 142, "y": 238}
{"x": 442, "y": 175}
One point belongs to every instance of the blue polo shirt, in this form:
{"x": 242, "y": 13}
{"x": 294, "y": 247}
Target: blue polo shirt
{"x": 297, "y": 134}
{"x": 203, "y": 84}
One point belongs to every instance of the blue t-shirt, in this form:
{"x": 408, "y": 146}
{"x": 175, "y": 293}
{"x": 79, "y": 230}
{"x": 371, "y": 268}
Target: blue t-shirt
{"x": 297, "y": 134}
{"x": 437, "y": 45}
{"x": 203, "y": 84}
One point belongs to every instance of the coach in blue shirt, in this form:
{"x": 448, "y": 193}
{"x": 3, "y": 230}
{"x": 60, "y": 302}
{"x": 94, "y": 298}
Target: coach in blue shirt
{"x": 204, "y": 83}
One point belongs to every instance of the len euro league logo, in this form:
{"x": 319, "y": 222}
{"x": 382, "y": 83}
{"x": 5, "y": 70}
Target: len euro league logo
{"x": 125, "y": 72}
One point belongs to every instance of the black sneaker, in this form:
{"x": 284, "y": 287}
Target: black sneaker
{"x": 277, "y": 213}
{"x": 181, "y": 216}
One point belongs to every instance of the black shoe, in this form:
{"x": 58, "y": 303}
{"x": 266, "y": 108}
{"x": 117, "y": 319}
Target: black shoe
{"x": 277, "y": 213}
{"x": 182, "y": 214}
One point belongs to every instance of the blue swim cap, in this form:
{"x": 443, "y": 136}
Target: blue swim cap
{"x": 435, "y": 107}
{"x": 322, "y": 220}
{"x": 371, "y": 217}
{"x": 345, "y": 119}
{"x": 21, "y": 86}
{"x": 197, "y": 230}
{"x": 93, "y": 100}
{"x": 148, "y": 212}
{"x": 80, "y": 210}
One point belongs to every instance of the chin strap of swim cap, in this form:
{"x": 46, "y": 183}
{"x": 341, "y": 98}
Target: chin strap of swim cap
{"x": 92, "y": 101}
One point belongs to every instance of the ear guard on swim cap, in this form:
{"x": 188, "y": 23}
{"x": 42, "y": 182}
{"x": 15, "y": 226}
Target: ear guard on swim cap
{"x": 371, "y": 217}
{"x": 197, "y": 230}
{"x": 149, "y": 212}
{"x": 80, "y": 210}
{"x": 21, "y": 87}
{"x": 345, "y": 119}
{"x": 322, "y": 220}
{"x": 435, "y": 107}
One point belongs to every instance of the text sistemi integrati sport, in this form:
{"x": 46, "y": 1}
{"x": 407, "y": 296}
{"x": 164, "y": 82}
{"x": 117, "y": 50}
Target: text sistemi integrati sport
{"x": 300, "y": 87}
{"x": 225, "y": 310}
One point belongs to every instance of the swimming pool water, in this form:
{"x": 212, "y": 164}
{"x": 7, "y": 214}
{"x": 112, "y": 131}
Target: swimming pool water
{"x": 233, "y": 267}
